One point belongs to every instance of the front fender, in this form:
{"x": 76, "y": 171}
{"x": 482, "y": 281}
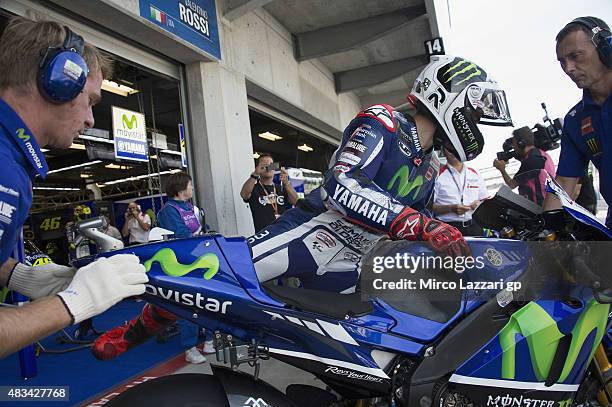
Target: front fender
{"x": 242, "y": 390}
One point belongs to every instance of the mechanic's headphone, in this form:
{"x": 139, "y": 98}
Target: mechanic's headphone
{"x": 62, "y": 71}
{"x": 601, "y": 37}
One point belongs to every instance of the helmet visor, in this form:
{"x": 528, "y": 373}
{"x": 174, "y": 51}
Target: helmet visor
{"x": 491, "y": 104}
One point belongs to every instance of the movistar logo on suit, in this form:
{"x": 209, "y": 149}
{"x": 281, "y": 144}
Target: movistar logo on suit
{"x": 21, "y": 135}
{"x": 404, "y": 184}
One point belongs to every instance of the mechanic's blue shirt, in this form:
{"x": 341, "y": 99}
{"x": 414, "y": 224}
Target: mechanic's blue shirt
{"x": 379, "y": 169}
{"x": 587, "y": 135}
{"x": 22, "y": 161}
{"x": 169, "y": 218}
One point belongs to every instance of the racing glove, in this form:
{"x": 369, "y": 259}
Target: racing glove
{"x": 40, "y": 281}
{"x": 103, "y": 283}
{"x": 442, "y": 237}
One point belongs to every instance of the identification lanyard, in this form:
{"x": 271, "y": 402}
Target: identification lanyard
{"x": 462, "y": 190}
{"x": 273, "y": 202}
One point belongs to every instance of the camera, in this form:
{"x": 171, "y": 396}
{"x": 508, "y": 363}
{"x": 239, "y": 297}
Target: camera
{"x": 545, "y": 137}
{"x": 273, "y": 167}
{"x": 508, "y": 150}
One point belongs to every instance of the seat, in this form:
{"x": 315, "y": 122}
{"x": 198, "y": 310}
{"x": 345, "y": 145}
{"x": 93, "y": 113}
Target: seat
{"x": 325, "y": 303}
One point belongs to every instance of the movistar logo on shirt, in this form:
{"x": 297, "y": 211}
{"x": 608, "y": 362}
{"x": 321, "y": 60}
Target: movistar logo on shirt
{"x": 21, "y": 134}
{"x": 361, "y": 205}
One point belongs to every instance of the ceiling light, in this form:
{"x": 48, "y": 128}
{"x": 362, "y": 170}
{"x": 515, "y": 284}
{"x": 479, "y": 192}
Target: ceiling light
{"x": 75, "y": 166}
{"x": 77, "y": 146}
{"x": 270, "y": 136}
{"x": 305, "y": 147}
{"x": 256, "y": 155}
{"x": 117, "y": 167}
{"x": 114, "y": 87}
{"x": 44, "y": 150}
{"x": 85, "y": 175}
{"x": 119, "y": 181}
{"x": 55, "y": 189}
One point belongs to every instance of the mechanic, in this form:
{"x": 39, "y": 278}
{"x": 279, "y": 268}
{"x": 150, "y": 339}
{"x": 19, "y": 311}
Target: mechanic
{"x": 50, "y": 80}
{"x": 584, "y": 50}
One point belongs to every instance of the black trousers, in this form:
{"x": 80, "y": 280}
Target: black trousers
{"x": 468, "y": 228}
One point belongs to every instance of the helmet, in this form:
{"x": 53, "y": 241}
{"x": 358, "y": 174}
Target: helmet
{"x": 81, "y": 212}
{"x": 459, "y": 94}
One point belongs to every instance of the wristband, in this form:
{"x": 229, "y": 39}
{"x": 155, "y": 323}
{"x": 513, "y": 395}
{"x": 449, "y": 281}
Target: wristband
{"x": 255, "y": 177}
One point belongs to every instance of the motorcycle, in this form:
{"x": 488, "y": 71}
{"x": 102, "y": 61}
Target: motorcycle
{"x": 540, "y": 345}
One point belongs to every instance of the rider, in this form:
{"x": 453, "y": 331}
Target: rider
{"x": 378, "y": 182}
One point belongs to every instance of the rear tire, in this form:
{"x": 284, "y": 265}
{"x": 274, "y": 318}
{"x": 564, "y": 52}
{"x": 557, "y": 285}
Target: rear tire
{"x": 189, "y": 389}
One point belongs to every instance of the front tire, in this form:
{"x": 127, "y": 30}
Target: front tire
{"x": 189, "y": 389}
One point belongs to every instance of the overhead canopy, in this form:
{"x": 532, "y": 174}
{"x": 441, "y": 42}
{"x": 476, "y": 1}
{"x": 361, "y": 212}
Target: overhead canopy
{"x": 374, "y": 48}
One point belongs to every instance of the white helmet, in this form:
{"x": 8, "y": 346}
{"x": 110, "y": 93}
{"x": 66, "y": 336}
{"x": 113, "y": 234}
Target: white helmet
{"x": 459, "y": 94}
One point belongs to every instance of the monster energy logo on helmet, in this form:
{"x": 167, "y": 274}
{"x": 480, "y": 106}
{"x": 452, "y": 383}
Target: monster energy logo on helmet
{"x": 457, "y": 74}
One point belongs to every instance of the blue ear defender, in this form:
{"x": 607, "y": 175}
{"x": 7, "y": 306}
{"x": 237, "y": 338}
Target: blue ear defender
{"x": 601, "y": 37}
{"x": 62, "y": 70}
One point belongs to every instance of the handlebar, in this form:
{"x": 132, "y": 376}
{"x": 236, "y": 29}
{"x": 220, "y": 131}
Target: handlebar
{"x": 90, "y": 228}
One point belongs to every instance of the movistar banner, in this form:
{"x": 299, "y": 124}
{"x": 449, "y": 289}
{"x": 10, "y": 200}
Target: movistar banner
{"x": 130, "y": 134}
{"x": 195, "y": 21}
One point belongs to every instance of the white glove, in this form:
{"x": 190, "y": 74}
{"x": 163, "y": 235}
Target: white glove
{"x": 103, "y": 283}
{"x": 40, "y": 281}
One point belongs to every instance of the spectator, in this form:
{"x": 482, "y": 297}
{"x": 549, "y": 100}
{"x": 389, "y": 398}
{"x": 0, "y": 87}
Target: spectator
{"x": 585, "y": 54}
{"x": 111, "y": 230}
{"x": 137, "y": 225}
{"x": 457, "y": 192}
{"x": 182, "y": 218}
{"x": 529, "y": 178}
{"x": 266, "y": 199}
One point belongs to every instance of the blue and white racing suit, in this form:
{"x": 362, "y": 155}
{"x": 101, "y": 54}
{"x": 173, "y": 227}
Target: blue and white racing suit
{"x": 378, "y": 170}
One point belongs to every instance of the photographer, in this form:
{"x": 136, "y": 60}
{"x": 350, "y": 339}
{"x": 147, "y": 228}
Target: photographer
{"x": 136, "y": 225}
{"x": 530, "y": 178}
{"x": 266, "y": 199}
{"x": 584, "y": 51}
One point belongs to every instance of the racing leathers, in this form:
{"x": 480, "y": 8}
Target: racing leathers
{"x": 378, "y": 183}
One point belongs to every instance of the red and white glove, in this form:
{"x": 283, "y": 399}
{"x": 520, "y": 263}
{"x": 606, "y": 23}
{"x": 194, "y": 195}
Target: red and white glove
{"x": 442, "y": 237}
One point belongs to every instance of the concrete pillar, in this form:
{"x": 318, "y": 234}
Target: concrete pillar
{"x": 221, "y": 147}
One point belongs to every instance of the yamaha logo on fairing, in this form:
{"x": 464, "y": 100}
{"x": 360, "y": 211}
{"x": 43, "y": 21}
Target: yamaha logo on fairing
{"x": 352, "y": 375}
{"x": 197, "y": 300}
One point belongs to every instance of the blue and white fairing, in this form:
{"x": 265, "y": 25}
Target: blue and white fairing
{"x": 577, "y": 211}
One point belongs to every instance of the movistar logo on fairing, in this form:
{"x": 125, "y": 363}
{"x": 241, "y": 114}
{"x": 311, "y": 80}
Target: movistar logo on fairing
{"x": 171, "y": 266}
{"x": 542, "y": 334}
{"x": 21, "y": 134}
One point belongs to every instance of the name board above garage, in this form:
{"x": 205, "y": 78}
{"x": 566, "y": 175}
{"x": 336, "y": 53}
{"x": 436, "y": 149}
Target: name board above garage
{"x": 130, "y": 134}
{"x": 195, "y": 21}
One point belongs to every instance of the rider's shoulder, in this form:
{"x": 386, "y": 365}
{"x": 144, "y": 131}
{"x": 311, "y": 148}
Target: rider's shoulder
{"x": 384, "y": 114}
